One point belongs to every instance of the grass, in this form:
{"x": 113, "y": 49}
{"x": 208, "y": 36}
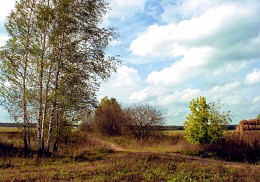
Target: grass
{"x": 173, "y": 132}
{"x": 9, "y": 129}
{"x": 84, "y": 157}
{"x": 125, "y": 166}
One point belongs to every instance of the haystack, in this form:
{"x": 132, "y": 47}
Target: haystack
{"x": 248, "y": 125}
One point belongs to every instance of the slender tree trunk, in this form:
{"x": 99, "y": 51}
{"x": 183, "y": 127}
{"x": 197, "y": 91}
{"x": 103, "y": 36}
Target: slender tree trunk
{"x": 54, "y": 108}
{"x": 40, "y": 124}
{"x": 43, "y": 108}
{"x": 57, "y": 138}
{"x": 48, "y": 144}
{"x": 46, "y": 106}
{"x": 25, "y": 111}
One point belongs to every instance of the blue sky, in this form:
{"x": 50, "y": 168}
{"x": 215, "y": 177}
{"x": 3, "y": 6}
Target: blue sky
{"x": 176, "y": 50}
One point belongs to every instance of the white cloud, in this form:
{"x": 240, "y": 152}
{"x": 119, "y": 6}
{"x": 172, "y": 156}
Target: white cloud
{"x": 115, "y": 42}
{"x": 181, "y": 70}
{"x": 223, "y": 89}
{"x": 140, "y": 95}
{"x": 183, "y": 96}
{"x": 125, "y": 8}
{"x": 5, "y": 8}
{"x": 173, "y": 39}
{"x": 3, "y": 39}
{"x": 230, "y": 68}
{"x": 121, "y": 84}
{"x": 253, "y": 77}
{"x": 227, "y": 93}
{"x": 256, "y": 100}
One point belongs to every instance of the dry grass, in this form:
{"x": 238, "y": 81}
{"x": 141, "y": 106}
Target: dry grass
{"x": 85, "y": 158}
{"x": 9, "y": 129}
{"x": 126, "y": 167}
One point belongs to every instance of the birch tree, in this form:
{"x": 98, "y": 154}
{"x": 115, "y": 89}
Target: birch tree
{"x": 54, "y": 63}
{"x": 16, "y": 59}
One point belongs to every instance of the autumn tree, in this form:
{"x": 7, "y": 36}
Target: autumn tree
{"x": 206, "y": 122}
{"x": 109, "y": 117}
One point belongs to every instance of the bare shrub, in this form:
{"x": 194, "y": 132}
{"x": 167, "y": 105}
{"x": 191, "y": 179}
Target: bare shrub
{"x": 87, "y": 125}
{"x": 143, "y": 120}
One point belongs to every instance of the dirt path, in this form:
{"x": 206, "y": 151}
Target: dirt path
{"x": 110, "y": 145}
{"x": 169, "y": 155}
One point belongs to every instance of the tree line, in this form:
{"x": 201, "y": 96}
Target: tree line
{"x": 52, "y": 65}
{"x": 136, "y": 120}
{"x": 204, "y": 125}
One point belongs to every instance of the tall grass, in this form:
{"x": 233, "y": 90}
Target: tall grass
{"x": 238, "y": 147}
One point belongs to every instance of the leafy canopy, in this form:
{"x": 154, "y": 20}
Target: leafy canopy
{"x": 206, "y": 122}
{"x": 258, "y": 117}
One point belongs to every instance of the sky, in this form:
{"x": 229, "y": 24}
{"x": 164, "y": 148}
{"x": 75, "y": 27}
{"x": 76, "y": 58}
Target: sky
{"x": 175, "y": 50}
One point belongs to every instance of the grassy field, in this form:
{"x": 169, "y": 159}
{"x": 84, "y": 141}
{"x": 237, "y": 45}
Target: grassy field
{"x": 90, "y": 157}
{"x": 125, "y": 166}
{"x": 9, "y": 129}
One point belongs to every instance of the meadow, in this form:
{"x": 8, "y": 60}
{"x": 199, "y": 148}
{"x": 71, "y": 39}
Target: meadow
{"x": 91, "y": 157}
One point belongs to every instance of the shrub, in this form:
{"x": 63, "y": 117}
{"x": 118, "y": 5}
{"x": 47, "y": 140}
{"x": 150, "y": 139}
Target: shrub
{"x": 109, "y": 117}
{"x": 87, "y": 125}
{"x": 143, "y": 120}
{"x": 237, "y": 147}
{"x": 206, "y": 123}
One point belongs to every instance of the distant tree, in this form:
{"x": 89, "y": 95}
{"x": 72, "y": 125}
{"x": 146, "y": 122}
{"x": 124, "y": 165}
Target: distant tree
{"x": 143, "y": 119}
{"x": 206, "y": 122}
{"x": 258, "y": 117}
{"x": 109, "y": 117}
{"x": 87, "y": 124}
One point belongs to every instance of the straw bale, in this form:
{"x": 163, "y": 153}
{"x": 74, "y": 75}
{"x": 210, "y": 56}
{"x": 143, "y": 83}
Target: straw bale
{"x": 248, "y": 125}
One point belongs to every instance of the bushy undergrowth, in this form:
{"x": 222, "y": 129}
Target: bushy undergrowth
{"x": 7, "y": 149}
{"x": 237, "y": 147}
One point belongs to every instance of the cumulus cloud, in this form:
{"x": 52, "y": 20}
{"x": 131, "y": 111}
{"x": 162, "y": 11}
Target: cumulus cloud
{"x": 183, "y": 96}
{"x": 5, "y": 8}
{"x": 230, "y": 68}
{"x": 121, "y": 84}
{"x": 229, "y": 93}
{"x": 3, "y": 39}
{"x": 125, "y": 8}
{"x": 180, "y": 71}
{"x": 253, "y": 77}
{"x": 223, "y": 89}
{"x": 141, "y": 95}
{"x": 218, "y": 27}
{"x": 256, "y": 100}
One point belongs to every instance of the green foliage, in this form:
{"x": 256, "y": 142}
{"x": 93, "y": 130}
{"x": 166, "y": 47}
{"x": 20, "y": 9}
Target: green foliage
{"x": 258, "y": 117}
{"x": 53, "y": 63}
{"x": 206, "y": 123}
